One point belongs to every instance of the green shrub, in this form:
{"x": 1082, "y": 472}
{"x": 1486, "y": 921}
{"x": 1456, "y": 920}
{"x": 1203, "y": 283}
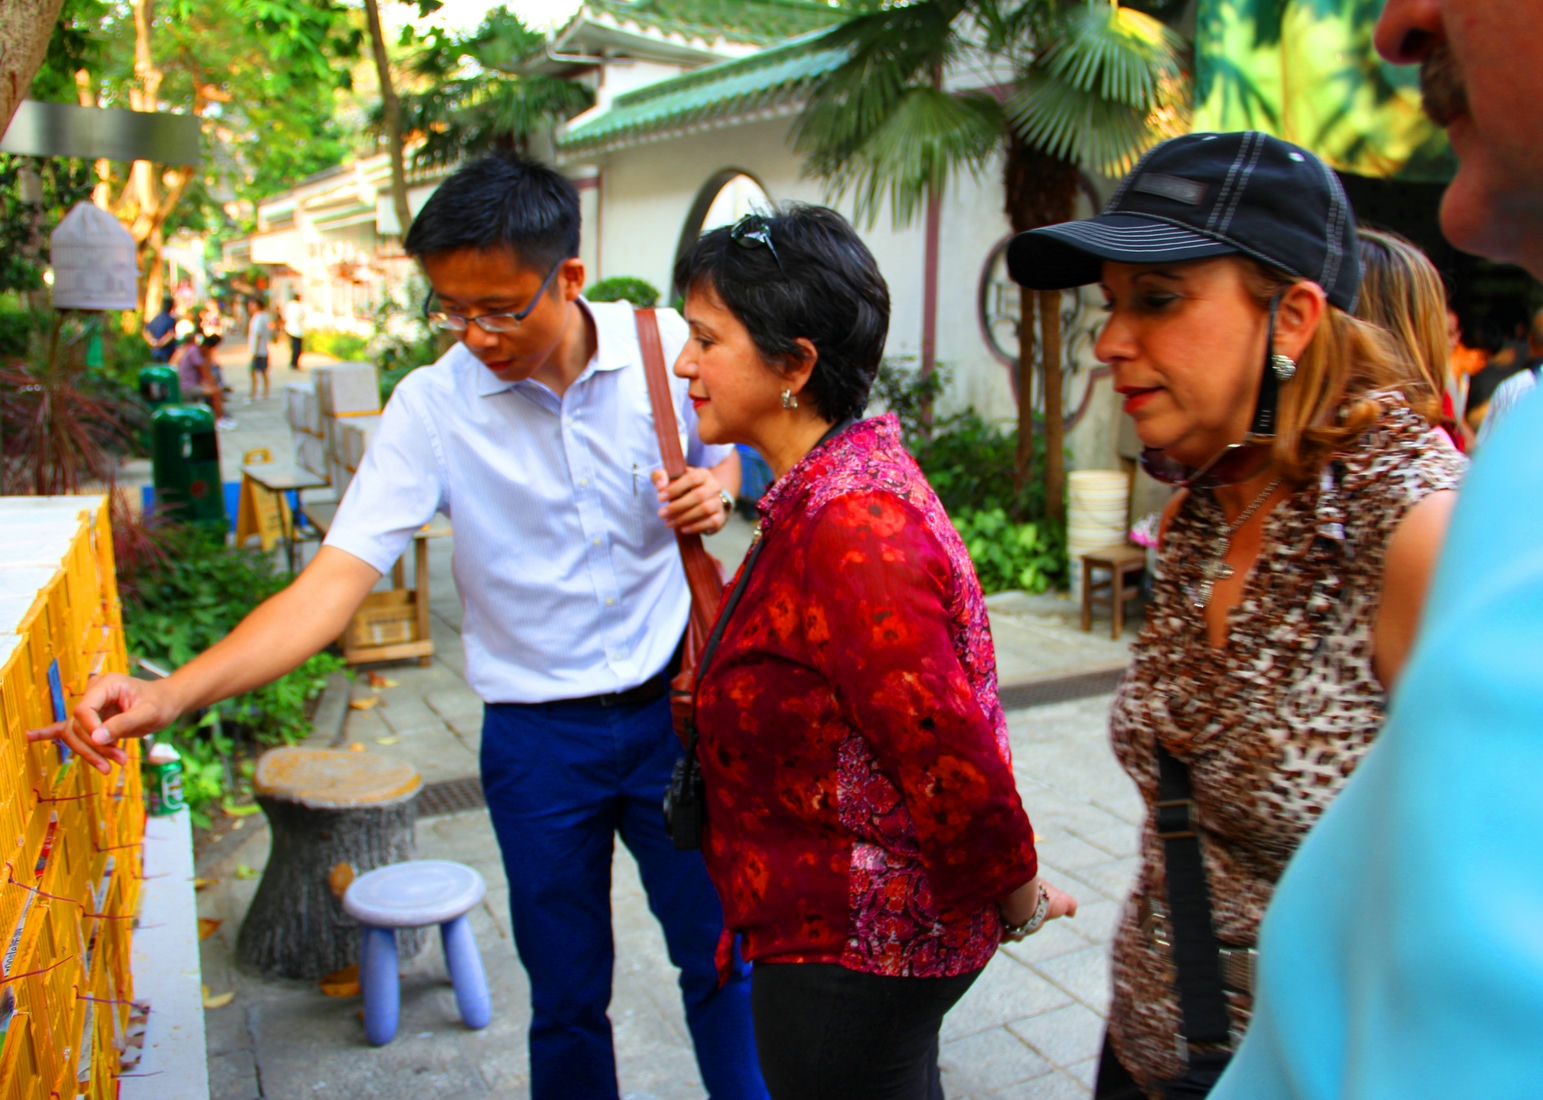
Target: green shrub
{"x": 623, "y": 288}
{"x": 971, "y": 465}
{"x": 1030, "y": 556}
{"x": 345, "y": 346}
{"x": 186, "y": 602}
{"x": 17, "y": 330}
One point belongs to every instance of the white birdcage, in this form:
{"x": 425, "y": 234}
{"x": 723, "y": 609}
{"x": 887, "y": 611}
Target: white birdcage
{"x": 93, "y": 261}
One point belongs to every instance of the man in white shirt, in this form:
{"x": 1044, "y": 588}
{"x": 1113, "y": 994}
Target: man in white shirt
{"x": 259, "y": 331}
{"x": 294, "y": 328}
{"x": 535, "y": 435}
{"x": 1514, "y": 388}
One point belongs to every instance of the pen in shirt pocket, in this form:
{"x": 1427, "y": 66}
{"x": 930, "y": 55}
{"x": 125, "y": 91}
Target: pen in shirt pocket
{"x": 634, "y": 479}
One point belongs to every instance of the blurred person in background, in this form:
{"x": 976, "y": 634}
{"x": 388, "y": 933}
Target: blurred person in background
{"x": 1401, "y": 293}
{"x": 1518, "y": 383}
{"x": 259, "y": 334}
{"x": 1292, "y": 566}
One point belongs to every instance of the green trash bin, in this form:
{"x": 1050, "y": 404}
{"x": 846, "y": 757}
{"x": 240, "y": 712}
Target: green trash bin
{"x": 185, "y": 462}
{"x": 159, "y": 385}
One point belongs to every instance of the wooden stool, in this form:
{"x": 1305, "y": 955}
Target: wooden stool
{"x": 416, "y": 894}
{"x": 1120, "y": 561}
{"x": 333, "y": 815}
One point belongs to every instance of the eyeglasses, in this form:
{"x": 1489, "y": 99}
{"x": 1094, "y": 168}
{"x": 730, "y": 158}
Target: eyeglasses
{"x": 752, "y": 230}
{"x": 1233, "y": 463}
{"x": 488, "y": 322}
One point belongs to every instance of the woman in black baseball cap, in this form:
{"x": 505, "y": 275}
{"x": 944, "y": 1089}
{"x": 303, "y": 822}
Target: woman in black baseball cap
{"x": 1292, "y": 565}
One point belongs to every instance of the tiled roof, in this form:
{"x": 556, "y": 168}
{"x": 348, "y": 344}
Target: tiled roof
{"x": 757, "y": 22}
{"x": 768, "y": 79}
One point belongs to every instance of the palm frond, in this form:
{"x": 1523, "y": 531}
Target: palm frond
{"x": 1122, "y": 54}
{"x": 889, "y": 50}
{"x": 928, "y": 136}
{"x": 1085, "y": 128}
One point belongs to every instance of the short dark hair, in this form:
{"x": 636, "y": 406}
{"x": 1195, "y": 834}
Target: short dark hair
{"x": 817, "y": 281}
{"x": 501, "y": 200}
{"x": 168, "y": 303}
{"x": 210, "y": 340}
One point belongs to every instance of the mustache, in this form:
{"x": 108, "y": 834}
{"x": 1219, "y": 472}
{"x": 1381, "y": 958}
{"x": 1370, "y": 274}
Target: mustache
{"x": 1443, "y": 90}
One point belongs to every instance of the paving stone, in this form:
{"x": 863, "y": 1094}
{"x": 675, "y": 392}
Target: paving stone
{"x": 1086, "y": 1072}
{"x": 1071, "y": 851}
{"x": 1058, "y": 937}
{"x": 408, "y": 714}
{"x": 454, "y": 703}
{"x": 1084, "y": 974}
{"x": 1114, "y": 879}
{"x": 990, "y": 1060}
{"x": 1006, "y": 990}
{"x": 1064, "y": 1036}
{"x": 1120, "y": 842}
{"x": 233, "y": 1076}
{"x": 1097, "y": 920}
{"x": 1052, "y": 1086}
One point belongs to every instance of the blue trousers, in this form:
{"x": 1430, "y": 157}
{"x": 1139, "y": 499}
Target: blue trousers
{"x": 561, "y": 780}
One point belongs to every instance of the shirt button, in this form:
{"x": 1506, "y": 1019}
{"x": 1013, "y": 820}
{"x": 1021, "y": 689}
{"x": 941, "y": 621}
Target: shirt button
{"x": 595, "y": 541}
{"x": 569, "y": 419}
{"x": 610, "y": 601}
{"x": 583, "y": 483}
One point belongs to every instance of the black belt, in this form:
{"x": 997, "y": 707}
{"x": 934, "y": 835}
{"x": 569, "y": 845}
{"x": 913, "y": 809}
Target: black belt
{"x": 653, "y": 688}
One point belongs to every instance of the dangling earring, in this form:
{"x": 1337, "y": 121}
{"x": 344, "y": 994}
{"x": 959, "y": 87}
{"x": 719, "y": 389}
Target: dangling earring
{"x": 1284, "y": 366}
{"x": 788, "y": 400}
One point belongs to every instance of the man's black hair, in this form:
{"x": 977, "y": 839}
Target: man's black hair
{"x": 821, "y": 284}
{"x": 501, "y": 200}
{"x": 168, "y": 303}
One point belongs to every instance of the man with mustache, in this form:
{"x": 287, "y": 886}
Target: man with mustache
{"x": 1402, "y": 955}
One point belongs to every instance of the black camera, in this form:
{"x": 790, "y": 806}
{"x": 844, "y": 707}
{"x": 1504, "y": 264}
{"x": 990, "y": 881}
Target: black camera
{"x": 685, "y": 804}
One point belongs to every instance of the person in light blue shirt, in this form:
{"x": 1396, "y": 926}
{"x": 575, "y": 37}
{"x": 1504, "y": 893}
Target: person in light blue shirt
{"x": 535, "y": 434}
{"x": 1402, "y": 954}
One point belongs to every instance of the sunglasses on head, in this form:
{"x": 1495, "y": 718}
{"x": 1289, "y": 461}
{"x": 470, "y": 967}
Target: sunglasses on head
{"x": 753, "y": 230}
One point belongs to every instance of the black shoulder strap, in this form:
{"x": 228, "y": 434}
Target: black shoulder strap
{"x": 1195, "y": 950}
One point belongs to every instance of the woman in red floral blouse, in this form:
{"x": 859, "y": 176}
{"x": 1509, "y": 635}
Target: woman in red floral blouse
{"x": 863, "y": 826}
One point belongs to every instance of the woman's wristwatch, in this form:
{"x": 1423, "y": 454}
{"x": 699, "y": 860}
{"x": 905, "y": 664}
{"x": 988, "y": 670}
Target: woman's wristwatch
{"x": 1036, "y": 921}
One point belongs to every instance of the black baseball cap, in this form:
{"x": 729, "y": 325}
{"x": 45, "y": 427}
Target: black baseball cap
{"x": 1204, "y": 195}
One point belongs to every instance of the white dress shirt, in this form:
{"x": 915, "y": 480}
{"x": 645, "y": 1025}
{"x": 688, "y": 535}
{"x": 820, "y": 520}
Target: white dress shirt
{"x": 572, "y": 584}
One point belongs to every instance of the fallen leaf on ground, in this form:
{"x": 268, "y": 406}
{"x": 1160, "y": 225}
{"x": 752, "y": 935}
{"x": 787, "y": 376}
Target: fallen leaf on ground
{"x": 364, "y": 704}
{"x": 207, "y": 927}
{"x": 220, "y": 1001}
{"x": 340, "y": 878}
{"x": 244, "y": 872}
{"x": 387, "y": 740}
{"x": 342, "y": 983}
{"x": 232, "y": 810}
{"x": 200, "y": 883}
{"x": 357, "y": 746}
{"x": 376, "y": 680}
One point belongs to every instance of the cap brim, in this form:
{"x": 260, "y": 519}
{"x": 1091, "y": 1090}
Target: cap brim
{"x": 1073, "y": 253}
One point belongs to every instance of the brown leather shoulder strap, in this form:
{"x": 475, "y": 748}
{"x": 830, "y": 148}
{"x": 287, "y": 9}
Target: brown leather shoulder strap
{"x": 702, "y": 575}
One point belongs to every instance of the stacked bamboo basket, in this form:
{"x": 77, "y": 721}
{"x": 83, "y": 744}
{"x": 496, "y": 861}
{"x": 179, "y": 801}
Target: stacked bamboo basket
{"x": 71, "y": 838}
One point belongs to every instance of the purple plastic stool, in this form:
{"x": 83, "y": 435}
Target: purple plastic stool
{"x": 412, "y": 895}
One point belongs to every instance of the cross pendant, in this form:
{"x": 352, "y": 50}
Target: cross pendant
{"x": 1215, "y": 570}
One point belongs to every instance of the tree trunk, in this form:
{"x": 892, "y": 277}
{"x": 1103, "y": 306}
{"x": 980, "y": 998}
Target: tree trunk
{"x": 1055, "y": 445}
{"x": 1040, "y": 190}
{"x": 25, "y": 27}
{"x": 296, "y": 926}
{"x": 391, "y": 111}
{"x": 1027, "y": 357}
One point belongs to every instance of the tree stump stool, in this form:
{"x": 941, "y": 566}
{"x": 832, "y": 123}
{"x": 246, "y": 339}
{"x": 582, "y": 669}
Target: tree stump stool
{"x": 333, "y": 816}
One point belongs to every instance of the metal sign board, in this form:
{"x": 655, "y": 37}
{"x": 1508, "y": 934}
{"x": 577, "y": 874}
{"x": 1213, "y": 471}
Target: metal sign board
{"x": 66, "y": 130}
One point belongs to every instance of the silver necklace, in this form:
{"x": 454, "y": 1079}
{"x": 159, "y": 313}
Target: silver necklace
{"x": 1217, "y": 569}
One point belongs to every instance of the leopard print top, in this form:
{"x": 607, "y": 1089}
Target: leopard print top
{"x": 1272, "y": 725}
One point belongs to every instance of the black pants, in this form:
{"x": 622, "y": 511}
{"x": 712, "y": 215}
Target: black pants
{"x": 828, "y": 1033}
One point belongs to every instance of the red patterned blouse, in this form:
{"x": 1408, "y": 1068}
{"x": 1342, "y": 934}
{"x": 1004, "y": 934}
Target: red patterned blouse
{"x": 861, "y": 808}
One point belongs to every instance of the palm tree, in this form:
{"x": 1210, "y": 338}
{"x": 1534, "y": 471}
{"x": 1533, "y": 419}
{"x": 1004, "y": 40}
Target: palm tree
{"x": 1067, "y": 86}
{"x": 475, "y": 98}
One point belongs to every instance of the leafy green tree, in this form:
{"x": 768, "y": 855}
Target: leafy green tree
{"x": 1085, "y": 85}
{"x": 470, "y": 95}
{"x": 262, "y": 76}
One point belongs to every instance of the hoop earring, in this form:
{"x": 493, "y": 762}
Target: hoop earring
{"x": 788, "y": 400}
{"x": 1284, "y": 366}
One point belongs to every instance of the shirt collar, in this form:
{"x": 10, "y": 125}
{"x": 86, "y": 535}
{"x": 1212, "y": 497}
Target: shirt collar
{"x": 863, "y": 437}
